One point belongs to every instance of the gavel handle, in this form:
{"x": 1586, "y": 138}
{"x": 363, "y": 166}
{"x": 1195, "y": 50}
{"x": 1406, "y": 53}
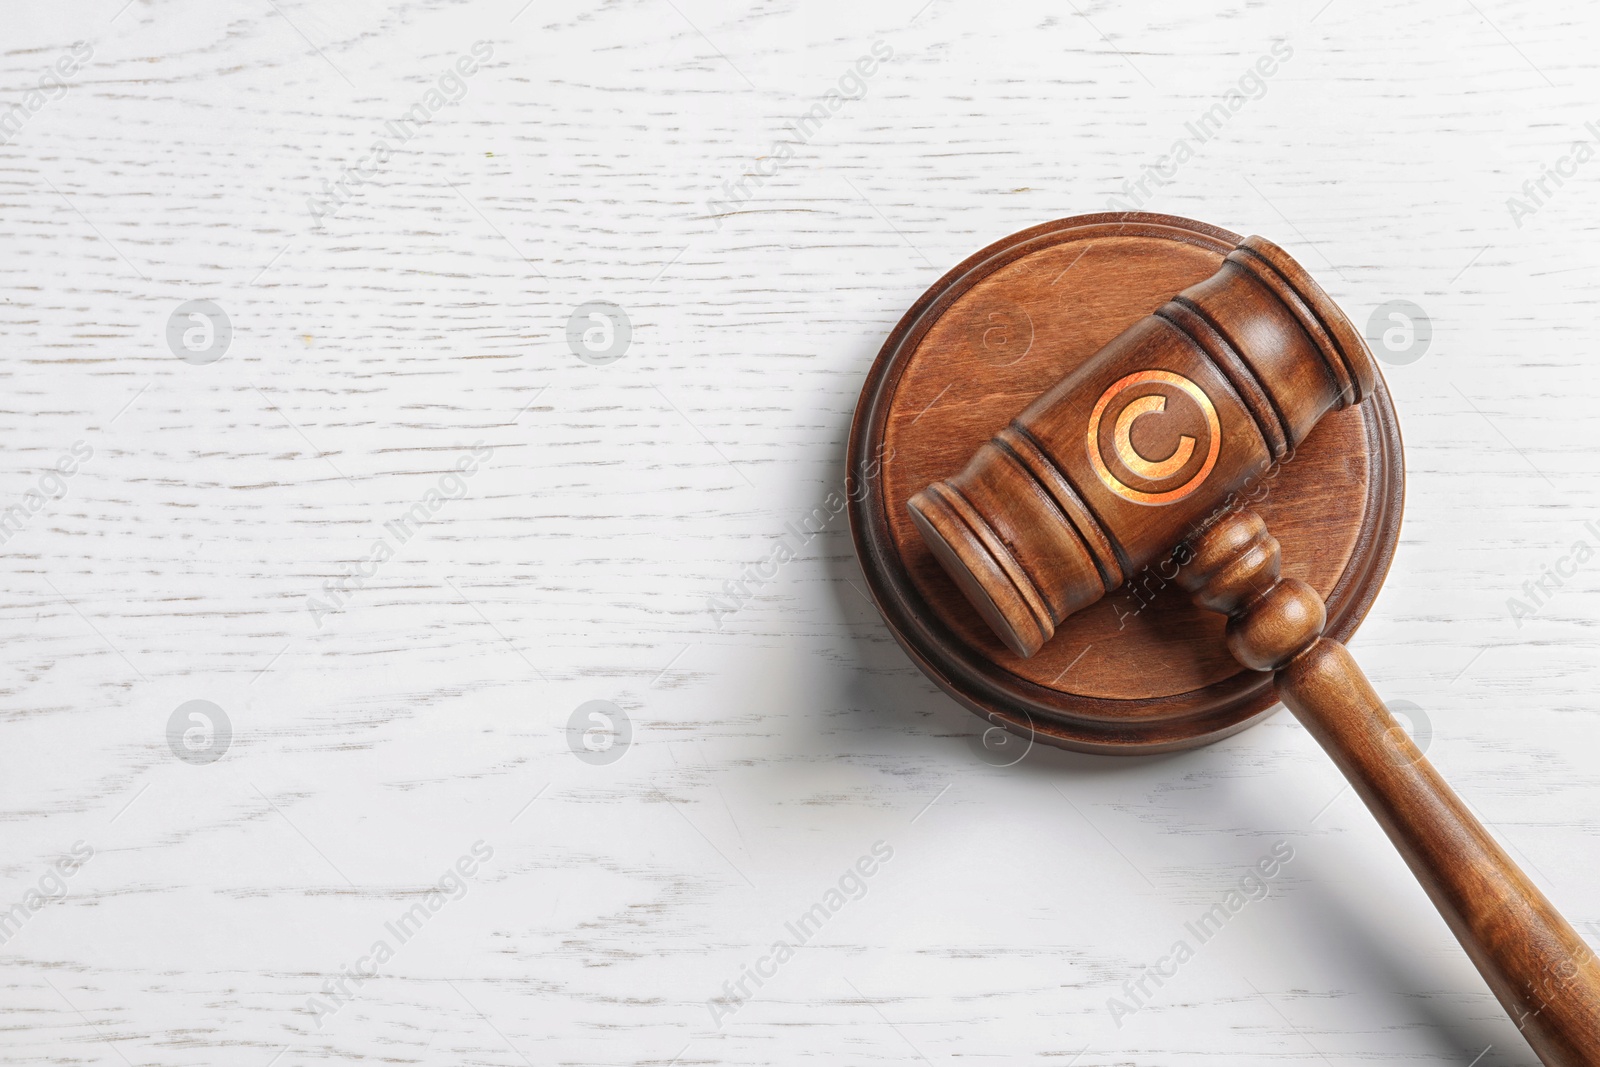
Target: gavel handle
{"x": 1545, "y": 976}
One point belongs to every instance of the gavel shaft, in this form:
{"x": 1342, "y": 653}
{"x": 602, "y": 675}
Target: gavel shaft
{"x": 1545, "y": 976}
{"x": 1143, "y": 444}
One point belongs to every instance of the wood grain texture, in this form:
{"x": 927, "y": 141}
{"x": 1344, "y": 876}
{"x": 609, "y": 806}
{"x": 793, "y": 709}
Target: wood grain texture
{"x": 1058, "y": 312}
{"x": 775, "y": 744}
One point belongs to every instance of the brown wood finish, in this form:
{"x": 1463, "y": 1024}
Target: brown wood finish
{"x": 1142, "y": 670}
{"x": 1158, "y": 440}
{"x": 1120, "y": 460}
{"x": 1542, "y": 972}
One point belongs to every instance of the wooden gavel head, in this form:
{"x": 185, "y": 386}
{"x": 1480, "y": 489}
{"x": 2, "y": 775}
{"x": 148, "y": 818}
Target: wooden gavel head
{"x": 1139, "y": 447}
{"x": 1145, "y": 448}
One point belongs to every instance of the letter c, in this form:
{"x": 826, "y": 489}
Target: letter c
{"x": 1142, "y": 467}
{"x": 1154, "y": 470}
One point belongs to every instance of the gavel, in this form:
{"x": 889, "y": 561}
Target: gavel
{"x": 1144, "y": 454}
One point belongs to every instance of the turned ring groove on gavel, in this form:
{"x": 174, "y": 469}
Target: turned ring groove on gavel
{"x": 1143, "y": 451}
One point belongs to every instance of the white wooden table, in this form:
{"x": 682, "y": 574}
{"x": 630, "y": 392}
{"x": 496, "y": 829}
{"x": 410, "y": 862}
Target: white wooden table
{"x": 397, "y": 690}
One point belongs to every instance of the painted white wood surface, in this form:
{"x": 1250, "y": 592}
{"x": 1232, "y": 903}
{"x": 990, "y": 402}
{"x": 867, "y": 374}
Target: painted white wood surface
{"x": 769, "y": 753}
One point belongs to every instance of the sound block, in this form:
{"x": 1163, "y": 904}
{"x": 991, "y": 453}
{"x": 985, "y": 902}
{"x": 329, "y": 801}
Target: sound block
{"x": 1143, "y": 670}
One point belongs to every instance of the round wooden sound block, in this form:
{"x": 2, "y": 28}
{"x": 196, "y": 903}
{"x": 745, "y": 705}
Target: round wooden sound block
{"x": 1142, "y": 670}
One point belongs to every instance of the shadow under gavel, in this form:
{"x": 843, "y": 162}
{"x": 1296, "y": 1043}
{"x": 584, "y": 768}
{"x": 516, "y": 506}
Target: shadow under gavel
{"x": 1142, "y": 453}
